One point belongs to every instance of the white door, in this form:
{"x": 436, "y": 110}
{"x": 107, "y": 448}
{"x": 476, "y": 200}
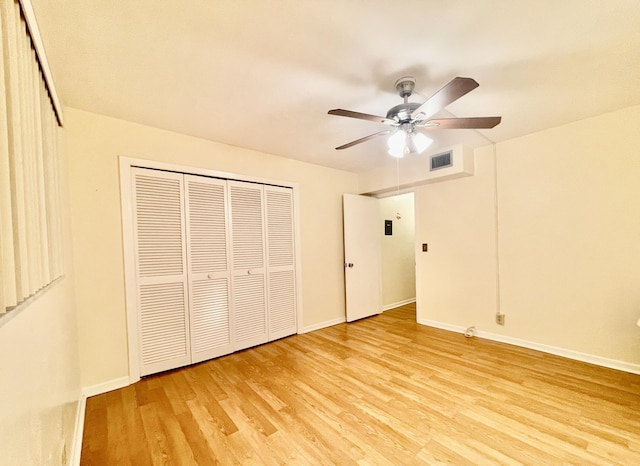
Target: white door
{"x": 211, "y": 325}
{"x": 213, "y": 262}
{"x": 362, "y": 253}
{"x": 249, "y": 281}
{"x": 161, "y": 270}
{"x": 280, "y": 261}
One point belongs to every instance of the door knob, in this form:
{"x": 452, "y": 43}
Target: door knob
{"x": 349, "y": 264}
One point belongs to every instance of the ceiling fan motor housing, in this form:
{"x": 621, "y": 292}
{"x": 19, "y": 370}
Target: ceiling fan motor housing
{"x": 405, "y": 86}
{"x": 402, "y": 113}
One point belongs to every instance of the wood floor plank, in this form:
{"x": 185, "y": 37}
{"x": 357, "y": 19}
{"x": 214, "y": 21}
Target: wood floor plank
{"x": 217, "y": 443}
{"x": 383, "y": 390}
{"x": 132, "y": 433}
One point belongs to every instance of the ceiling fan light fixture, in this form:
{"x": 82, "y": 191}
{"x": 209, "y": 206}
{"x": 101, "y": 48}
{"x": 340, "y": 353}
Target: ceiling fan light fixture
{"x": 421, "y": 142}
{"x": 403, "y": 143}
{"x": 397, "y": 143}
{"x": 397, "y": 153}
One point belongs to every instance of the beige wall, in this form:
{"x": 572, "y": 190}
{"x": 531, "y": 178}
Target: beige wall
{"x": 39, "y": 371}
{"x": 455, "y": 278}
{"x": 95, "y": 142}
{"x": 398, "y": 257}
{"x": 569, "y": 239}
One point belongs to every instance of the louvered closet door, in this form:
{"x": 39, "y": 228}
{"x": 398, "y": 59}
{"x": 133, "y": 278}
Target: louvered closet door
{"x": 161, "y": 270}
{"x": 281, "y": 290}
{"x": 248, "y": 274}
{"x": 209, "y": 271}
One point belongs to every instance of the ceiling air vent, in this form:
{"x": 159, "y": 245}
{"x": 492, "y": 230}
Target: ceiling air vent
{"x": 441, "y": 161}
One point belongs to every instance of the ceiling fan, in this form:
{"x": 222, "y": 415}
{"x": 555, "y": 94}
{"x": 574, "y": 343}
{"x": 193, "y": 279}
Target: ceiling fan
{"x": 408, "y": 118}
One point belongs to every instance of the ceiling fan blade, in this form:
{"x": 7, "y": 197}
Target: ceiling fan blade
{"x": 451, "y": 92}
{"x": 364, "y": 139}
{"x": 461, "y": 123}
{"x": 362, "y": 116}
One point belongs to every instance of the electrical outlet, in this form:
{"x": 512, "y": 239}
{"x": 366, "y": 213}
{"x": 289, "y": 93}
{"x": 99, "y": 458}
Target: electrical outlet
{"x": 499, "y": 319}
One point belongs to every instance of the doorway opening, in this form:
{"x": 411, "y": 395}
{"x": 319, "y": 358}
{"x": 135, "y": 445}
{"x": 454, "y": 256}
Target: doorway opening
{"x": 398, "y": 250}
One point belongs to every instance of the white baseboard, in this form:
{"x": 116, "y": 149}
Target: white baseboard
{"x": 105, "y": 387}
{"x": 386, "y": 307}
{"x": 76, "y": 446}
{"x": 566, "y": 353}
{"x": 342, "y": 320}
{"x": 441, "y": 325}
{"x": 326, "y": 323}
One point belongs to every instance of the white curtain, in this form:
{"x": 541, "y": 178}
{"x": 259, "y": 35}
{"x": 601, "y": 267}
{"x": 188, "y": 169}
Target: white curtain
{"x": 30, "y": 242}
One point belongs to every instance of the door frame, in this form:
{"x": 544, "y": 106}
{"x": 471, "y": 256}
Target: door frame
{"x": 416, "y": 245}
{"x": 127, "y": 210}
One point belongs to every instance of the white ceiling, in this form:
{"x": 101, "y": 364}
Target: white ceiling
{"x": 262, "y": 74}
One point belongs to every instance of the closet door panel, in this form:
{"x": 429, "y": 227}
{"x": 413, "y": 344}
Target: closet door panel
{"x": 163, "y": 327}
{"x": 211, "y": 325}
{"x": 280, "y": 261}
{"x": 161, "y": 270}
{"x": 249, "y": 310}
{"x": 210, "y": 319}
{"x": 248, "y": 274}
{"x": 282, "y": 304}
{"x": 247, "y": 228}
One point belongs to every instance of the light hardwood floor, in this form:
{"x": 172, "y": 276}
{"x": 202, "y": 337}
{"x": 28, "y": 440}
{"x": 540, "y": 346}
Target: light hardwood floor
{"x": 382, "y": 390}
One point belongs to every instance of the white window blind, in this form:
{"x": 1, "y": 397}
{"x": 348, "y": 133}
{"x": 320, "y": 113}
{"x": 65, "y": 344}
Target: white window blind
{"x": 30, "y": 239}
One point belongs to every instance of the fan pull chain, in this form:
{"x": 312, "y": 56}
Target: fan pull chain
{"x": 397, "y": 177}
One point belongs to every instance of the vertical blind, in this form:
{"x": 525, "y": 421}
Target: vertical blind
{"x": 30, "y": 238}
